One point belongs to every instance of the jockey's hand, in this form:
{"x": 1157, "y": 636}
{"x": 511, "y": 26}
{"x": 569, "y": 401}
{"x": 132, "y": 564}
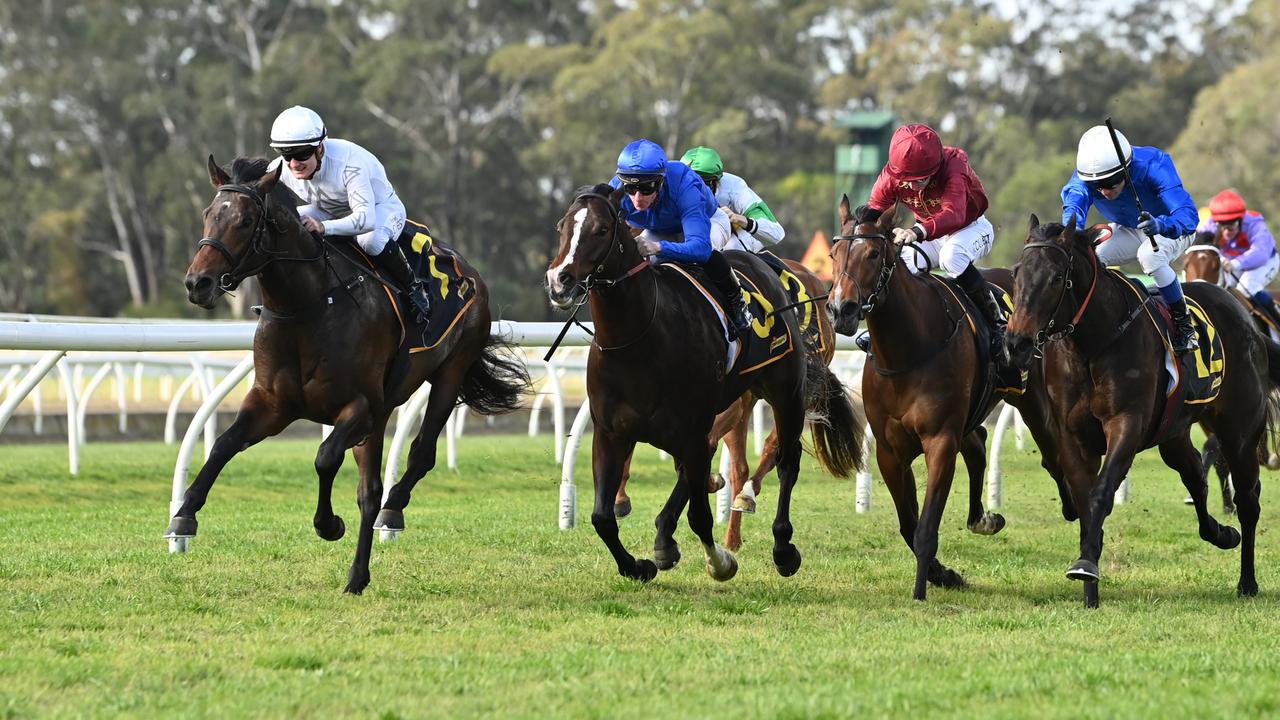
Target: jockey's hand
{"x": 313, "y": 225}
{"x": 1231, "y": 266}
{"x": 1148, "y": 224}
{"x": 737, "y": 220}
{"x": 903, "y": 236}
{"x": 647, "y": 247}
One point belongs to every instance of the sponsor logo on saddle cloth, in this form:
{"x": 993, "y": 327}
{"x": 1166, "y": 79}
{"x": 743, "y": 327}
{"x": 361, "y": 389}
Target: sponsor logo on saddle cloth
{"x": 450, "y": 292}
{"x": 770, "y": 340}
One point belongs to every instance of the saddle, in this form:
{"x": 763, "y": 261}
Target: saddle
{"x": 450, "y": 291}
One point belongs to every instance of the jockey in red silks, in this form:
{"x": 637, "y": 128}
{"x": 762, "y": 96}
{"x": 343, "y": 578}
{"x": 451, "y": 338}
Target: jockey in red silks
{"x": 949, "y": 203}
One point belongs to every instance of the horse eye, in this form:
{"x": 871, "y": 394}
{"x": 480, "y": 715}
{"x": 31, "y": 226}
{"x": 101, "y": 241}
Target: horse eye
{"x": 602, "y": 230}
{"x": 875, "y": 255}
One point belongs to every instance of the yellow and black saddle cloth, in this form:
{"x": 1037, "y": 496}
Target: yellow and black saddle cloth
{"x": 451, "y": 292}
{"x": 766, "y": 343}
{"x": 798, "y": 296}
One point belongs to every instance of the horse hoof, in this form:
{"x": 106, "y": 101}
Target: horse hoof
{"x": 356, "y": 585}
{"x": 645, "y": 571}
{"x": 666, "y": 557}
{"x": 1091, "y": 595}
{"x": 1247, "y": 589}
{"x": 786, "y": 560}
{"x": 1228, "y": 538}
{"x": 990, "y": 524}
{"x": 715, "y": 483}
{"x": 1084, "y": 570}
{"x": 722, "y": 568}
{"x": 622, "y": 509}
{"x": 181, "y": 527}
{"x": 388, "y": 519}
{"x": 744, "y": 504}
{"x": 332, "y": 531}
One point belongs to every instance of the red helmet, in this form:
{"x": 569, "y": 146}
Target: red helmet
{"x": 1226, "y": 206}
{"x": 915, "y": 152}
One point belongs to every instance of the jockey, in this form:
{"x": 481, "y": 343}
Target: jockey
{"x": 1249, "y": 254}
{"x": 346, "y": 192}
{"x": 1099, "y": 181}
{"x": 679, "y": 219}
{"x": 754, "y": 226}
{"x": 948, "y": 199}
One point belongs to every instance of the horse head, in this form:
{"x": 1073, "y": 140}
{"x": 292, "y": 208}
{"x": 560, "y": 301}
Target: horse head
{"x": 1203, "y": 261}
{"x": 596, "y": 247}
{"x": 243, "y": 228}
{"x": 863, "y": 259}
{"x": 1047, "y": 282}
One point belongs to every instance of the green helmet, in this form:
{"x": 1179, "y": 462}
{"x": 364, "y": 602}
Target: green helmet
{"x": 704, "y": 161}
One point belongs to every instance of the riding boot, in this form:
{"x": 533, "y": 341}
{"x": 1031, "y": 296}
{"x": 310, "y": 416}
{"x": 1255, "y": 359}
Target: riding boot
{"x": 1184, "y": 335}
{"x": 393, "y": 261}
{"x": 721, "y": 274}
{"x": 975, "y": 286}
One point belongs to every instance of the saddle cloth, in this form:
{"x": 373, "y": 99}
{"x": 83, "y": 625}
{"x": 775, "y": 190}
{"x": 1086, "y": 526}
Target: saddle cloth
{"x": 767, "y": 342}
{"x": 451, "y": 293}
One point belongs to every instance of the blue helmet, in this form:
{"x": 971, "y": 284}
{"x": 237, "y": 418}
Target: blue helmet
{"x": 641, "y": 160}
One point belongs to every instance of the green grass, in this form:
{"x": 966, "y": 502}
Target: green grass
{"x": 484, "y": 608}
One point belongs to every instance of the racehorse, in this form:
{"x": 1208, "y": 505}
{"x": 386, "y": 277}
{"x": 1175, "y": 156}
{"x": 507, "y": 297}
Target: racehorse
{"x": 1105, "y": 381}
{"x": 326, "y": 350}
{"x": 731, "y": 425}
{"x": 925, "y": 389}
{"x": 657, "y": 373}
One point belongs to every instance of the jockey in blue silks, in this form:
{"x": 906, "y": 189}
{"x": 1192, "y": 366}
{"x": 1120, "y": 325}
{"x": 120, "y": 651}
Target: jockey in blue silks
{"x": 1169, "y": 214}
{"x": 679, "y": 218}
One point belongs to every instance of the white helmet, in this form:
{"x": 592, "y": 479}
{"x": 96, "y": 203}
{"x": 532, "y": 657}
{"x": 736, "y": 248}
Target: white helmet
{"x": 1096, "y": 156}
{"x": 297, "y": 126}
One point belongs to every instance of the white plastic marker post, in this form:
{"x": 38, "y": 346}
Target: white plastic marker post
{"x": 724, "y": 496}
{"x": 863, "y": 502}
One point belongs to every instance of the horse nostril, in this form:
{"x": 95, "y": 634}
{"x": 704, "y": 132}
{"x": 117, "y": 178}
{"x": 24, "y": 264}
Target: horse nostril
{"x": 564, "y": 279}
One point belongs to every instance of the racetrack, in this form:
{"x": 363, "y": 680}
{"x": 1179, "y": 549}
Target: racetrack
{"x": 484, "y": 608}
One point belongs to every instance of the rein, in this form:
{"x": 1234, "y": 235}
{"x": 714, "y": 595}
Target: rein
{"x": 1047, "y": 334}
{"x": 231, "y": 279}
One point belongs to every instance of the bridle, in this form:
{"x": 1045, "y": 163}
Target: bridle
{"x": 1047, "y": 333}
{"x": 241, "y": 266}
{"x": 886, "y": 268}
{"x": 1222, "y": 272}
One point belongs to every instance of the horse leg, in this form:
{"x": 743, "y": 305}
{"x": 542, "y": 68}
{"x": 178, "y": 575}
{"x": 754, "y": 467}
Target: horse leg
{"x": 666, "y": 552}
{"x": 1211, "y": 456}
{"x": 974, "y": 450}
{"x": 1034, "y": 409}
{"x": 727, "y": 423}
{"x": 786, "y": 557}
{"x": 422, "y": 452}
{"x": 940, "y": 459}
{"x": 608, "y": 453}
{"x": 1122, "y": 443}
{"x": 1244, "y": 474}
{"x": 901, "y": 483}
{"x": 622, "y": 502}
{"x": 744, "y": 500}
{"x": 694, "y": 467}
{"x": 1180, "y": 455}
{"x": 369, "y": 497}
{"x": 351, "y": 426}
{"x": 256, "y": 420}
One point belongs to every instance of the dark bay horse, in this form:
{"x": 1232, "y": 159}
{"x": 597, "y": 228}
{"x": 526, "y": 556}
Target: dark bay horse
{"x": 325, "y": 350}
{"x": 1103, "y": 360}
{"x": 656, "y": 373}
{"x": 731, "y": 424}
{"x": 923, "y": 390}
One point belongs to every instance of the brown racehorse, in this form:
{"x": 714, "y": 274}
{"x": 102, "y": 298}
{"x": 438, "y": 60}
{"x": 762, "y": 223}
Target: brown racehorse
{"x": 1103, "y": 362}
{"x": 923, "y": 390}
{"x": 731, "y": 425}
{"x": 325, "y": 351}
{"x": 656, "y": 374}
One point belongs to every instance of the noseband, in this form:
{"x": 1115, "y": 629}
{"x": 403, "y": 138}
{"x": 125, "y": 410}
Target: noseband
{"x": 1047, "y": 333}
{"x": 592, "y": 280}
{"x": 886, "y": 268}
{"x": 232, "y": 278}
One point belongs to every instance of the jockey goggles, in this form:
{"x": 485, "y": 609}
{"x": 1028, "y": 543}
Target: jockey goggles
{"x": 1106, "y": 183}
{"x": 301, "y": 153}
{"x": 647, "y": 187}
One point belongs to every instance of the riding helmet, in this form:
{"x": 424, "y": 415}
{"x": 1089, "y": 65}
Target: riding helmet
{"x": 296, "y": 127}
{"x": 641, "y": 160}
{"x": 1096, "y": 156}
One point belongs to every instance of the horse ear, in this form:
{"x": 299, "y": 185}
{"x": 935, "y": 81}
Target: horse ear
{"x": 271, "y": 177}
{"x": 1069, "y": 232}
{"x": 615, "y": 196}
{"x": 1032, "y": 224}
{"x": 889, "y": 217}
{"x": 845, "y": 215}
{"x": 217, "y": 175}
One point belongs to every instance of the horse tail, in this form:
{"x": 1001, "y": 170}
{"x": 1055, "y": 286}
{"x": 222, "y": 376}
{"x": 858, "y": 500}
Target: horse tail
{"x": 837, "y": 425}
{"x": 1272, "y": 438}
{"x": 497, "y": 381}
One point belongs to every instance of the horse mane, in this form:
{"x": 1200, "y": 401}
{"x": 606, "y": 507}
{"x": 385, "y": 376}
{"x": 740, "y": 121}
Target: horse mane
{"x": 249, "y": 170}
{"x": 604, "y": 189}
{"x": 1047, "y": 232}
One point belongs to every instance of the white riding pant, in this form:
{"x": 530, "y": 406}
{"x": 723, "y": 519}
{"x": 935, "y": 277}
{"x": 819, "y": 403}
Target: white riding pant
{"x": 721, "y": 233}
{"x": 1127, "y": 244}
{"x": 955, "y": 252}
{"x": 1254, "y": 280}
{"x": 387, "y": 226}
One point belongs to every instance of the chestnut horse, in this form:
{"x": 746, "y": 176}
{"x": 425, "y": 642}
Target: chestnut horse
{"x": 656, "y": 373}
{"x": 1103, "y": 361}
{"x": 325, "y": 350}
{"x": 924, "y": 389}
{"x": 731, "y": 425}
